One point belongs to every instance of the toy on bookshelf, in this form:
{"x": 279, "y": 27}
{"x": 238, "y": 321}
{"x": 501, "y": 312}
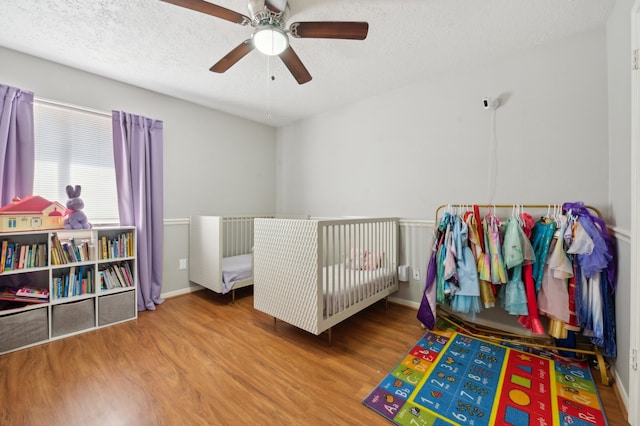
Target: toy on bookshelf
{"x": 76, "y": 218}
{"x": 31, "y": 213}
{"x": 33, "y": 292}
{"x": 24, "y": 294}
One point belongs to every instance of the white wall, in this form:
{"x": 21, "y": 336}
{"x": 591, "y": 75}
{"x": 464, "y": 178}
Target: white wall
{"x": 406, "y": 152}
{"x": 619, "y": 88}
{"x": 214, "y": 163}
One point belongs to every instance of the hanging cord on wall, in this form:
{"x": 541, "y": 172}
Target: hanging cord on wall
{"x": 270, "y": 78}
{"x": 493, "y": 158}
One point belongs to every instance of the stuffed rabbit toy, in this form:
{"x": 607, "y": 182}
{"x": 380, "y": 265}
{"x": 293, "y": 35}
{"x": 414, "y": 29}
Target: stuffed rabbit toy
{"x": 76, "y": 218}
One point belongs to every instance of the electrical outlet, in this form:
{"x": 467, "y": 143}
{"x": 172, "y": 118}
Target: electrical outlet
{"x": 183, "y": 264}
{"x": 416, "y": 274}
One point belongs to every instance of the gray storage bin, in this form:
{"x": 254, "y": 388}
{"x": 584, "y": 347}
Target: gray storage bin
{"x": 116, "y": 307}
{"x": 24, "y": 328}
{"x": 73, "y": 316}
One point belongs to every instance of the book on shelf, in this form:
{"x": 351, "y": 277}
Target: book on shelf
{"x": 106, "y": 280}
{"x": 74, "y": 282}
{"x": 3, "y": 254}
{"x": 128, "y": 273}
{"x": 56, "y": 250}
{"x": 70, "y": 250}
{"x": 38, "y": 293}
{"x": 22, "y": 256}
{"x": 114, "y": 277}
{"x": 84, "y": 250}
{"x": 103, "y": 248}
{"x": 28, "y": 256}
{"x": 8, "y": 263}
{"x": 81, "y": 282}
{"x": 116, "y": 247}
{"x": 29, "y": 295}
{"x": 42, "y": 255}
{"x": 67, "y": 252}
{"x": 121, "y": 280}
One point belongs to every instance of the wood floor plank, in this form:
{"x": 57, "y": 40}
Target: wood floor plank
{"x": 201, "y": 360}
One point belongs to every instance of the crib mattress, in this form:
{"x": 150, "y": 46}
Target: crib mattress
{"x": 234, "y": 269}
{"x": 356, "y": 286}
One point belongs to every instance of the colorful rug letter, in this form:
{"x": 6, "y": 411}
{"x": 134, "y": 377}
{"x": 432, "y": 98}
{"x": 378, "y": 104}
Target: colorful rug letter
{"x": 461, "y": 380}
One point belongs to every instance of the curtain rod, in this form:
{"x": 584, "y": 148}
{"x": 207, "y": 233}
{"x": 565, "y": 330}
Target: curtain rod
{"x": 509, "y": 206}
{"x": 71, "y": 106}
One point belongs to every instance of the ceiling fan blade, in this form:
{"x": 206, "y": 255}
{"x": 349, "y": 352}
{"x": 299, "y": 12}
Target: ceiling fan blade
{"x": 295, "y": 65}
{"x": 232, "y": 57}
{"x": 213, "y": 10}
{"x": 342, "y": 30}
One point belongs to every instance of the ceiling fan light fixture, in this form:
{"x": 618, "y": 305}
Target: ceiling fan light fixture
{"x": 270, "y": 40}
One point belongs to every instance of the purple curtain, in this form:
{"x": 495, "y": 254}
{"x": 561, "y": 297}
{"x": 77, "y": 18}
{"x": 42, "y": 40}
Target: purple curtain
{"x": 16, "y": 143}
{"x": 137, "y": 150}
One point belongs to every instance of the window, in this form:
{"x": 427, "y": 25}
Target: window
{"x": 74, "y": 146}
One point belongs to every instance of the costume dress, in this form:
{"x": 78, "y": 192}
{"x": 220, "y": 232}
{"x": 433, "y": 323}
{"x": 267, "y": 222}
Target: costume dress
{"x": 466, "y": 298}
{"x": 531, "y": 321}
{"x": 513, "y": 294}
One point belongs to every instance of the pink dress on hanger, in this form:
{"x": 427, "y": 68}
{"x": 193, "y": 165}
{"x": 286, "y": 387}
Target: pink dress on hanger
{"x": 553, "y": 296}
{"x": 531, "y": 321}
{"x": 476, "y": 239}
{"x": 498, "y": 269}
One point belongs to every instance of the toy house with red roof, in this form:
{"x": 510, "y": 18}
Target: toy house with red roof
{"x": 31, "y": 213}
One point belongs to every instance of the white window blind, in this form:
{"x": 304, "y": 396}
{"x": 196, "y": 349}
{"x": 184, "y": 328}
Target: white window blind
{"x": 74, "y": 146}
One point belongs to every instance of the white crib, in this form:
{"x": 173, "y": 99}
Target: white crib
{"x": 220, "y": 252}
{"x": 313, "y": 274}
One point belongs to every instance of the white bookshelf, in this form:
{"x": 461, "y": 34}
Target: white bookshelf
{"x": 89, "y": 289}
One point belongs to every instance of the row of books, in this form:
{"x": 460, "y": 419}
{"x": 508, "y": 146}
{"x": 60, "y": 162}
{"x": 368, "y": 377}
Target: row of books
{"x": 74, "y": 282}
{"x": 19, "y": 256}
{"x": 114, "y": 276}
{"x": 24, "y": 294}
{"x": 69, "y": 251}
{"x": 119, "y": 246}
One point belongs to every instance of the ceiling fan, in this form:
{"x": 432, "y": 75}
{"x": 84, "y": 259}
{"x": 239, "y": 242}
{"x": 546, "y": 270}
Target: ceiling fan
{"x": 270, "y": 36}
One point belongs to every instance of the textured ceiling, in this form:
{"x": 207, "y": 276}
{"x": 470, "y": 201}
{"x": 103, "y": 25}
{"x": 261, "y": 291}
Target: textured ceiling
{"x": 169, "y": 49}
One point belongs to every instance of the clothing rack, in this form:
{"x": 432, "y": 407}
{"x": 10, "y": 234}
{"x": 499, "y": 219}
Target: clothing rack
{"x": 508, "y": 206}
{"x": 531, "y": 341}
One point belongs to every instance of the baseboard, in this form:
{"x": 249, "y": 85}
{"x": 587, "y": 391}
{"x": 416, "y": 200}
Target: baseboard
{"x": 404, "y": 302}
{"x": 182, "y": 291}
{"x": 621, "y": 396}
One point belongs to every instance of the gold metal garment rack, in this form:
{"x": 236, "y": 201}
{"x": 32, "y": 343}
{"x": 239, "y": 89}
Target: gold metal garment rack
{"x": 522, "y": 339}
{"x": 499, "y": 336}
{"x": 508, "y": 206}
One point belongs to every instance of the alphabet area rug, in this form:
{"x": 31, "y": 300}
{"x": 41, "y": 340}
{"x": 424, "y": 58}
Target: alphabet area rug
{"x": 453, "y": 378}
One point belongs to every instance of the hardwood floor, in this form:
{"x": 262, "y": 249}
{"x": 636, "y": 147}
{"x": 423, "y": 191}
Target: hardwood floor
{"x": 200, "y": 360}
